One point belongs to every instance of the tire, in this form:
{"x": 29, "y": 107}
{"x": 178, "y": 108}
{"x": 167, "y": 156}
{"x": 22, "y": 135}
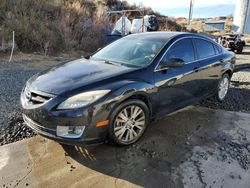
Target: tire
{"x": 223, "y": 87}
{"x": 239, "y": 47}
{"x": 239, "y": 51}
{"x": 126, "y": 129}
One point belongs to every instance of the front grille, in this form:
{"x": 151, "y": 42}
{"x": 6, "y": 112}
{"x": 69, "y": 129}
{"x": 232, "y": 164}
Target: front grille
{"x": 34, "y": 98}
{"x": 38, "y": 99}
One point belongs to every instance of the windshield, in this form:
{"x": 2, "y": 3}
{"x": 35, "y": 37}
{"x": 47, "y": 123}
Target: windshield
{"x": 130, "y": 51}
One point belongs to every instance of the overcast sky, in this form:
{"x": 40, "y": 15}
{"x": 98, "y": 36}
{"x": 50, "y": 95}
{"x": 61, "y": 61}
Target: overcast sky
{"x": 202, "y": 8}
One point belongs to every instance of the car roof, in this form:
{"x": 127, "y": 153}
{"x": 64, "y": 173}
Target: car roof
{"x": 164, "y": 35}
{"x": 153, "y": 35}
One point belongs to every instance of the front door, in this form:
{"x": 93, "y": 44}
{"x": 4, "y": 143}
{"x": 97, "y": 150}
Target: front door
{"x": 178, "y": 86}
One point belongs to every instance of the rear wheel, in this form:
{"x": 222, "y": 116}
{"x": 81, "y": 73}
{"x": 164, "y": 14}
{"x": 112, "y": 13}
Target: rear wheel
{"x": 128, "y": 122}
{"x": 223, "y": 87}
{"x": 239, "y": 51}
{"x": 239, "y": 48}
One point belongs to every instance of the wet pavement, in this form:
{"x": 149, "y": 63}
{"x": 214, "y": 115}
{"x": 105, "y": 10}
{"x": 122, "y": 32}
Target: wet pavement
{"x": 197, "y": 147}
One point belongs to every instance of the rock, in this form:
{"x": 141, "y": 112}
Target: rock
{"x": 222, "y": 148}
{"x": 232, "y": 176}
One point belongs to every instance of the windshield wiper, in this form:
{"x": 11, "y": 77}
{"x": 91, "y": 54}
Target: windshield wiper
{"x": 125, "y": 64}
{"x": 119, "y": 63}
{"x": 111, "y": 63}
{"x": 130, "y": 65}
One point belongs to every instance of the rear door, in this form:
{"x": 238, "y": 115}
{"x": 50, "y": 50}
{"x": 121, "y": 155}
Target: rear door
{"x": 178, "y": 87}
{"x": 210, "y": 65}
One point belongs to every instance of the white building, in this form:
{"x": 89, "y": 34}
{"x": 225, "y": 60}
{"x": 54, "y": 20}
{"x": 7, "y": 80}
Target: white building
{"x": 242, "y": 17}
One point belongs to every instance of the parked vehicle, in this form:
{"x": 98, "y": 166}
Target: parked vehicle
{"x": 117, "y": 91}
{"x": 232, "y": 42}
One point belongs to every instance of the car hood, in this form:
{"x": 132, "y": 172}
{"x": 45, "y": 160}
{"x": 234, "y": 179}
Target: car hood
{"x": 75, "y": 74}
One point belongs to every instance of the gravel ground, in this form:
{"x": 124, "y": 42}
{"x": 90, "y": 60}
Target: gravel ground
{"x": 14, "y": 75}
{"x": 12, "y": 81}
{"x": 238, "y": 98}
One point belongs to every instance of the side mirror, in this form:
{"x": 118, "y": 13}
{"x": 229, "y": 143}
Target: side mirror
{"x": 172, "y": 63}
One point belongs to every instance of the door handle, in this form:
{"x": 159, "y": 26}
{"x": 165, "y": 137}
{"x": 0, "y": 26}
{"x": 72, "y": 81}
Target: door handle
{"x": 196, "y": 69}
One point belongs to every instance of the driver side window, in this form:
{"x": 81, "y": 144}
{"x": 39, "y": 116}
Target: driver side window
{"x": 182, "y": 49}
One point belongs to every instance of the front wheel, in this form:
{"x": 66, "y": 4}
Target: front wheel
{"x": 128, "y": 122}
{"x": 223, "y": 87}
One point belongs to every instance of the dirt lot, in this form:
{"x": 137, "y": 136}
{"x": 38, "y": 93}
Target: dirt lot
{"x": 199, "y": 147}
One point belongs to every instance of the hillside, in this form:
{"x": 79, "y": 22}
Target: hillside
{"x": 62, "y": 25}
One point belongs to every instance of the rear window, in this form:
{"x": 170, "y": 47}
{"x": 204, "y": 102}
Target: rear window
{"x": 204, "y": 48}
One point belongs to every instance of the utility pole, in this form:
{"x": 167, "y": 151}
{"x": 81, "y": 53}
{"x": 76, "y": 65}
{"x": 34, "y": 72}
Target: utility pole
{"x": 190, "y": 11}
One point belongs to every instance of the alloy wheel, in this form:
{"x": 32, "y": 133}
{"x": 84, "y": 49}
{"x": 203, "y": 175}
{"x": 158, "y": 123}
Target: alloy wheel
{"x": 129, "y": 123}
{"x": 223, "y": 88}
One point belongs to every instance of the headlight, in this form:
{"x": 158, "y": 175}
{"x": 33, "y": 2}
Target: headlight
{"x": 82, "y": 99}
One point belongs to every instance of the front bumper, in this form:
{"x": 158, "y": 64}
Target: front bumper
{"x": 44, "y": 120}
{"x": 51, "y": 134}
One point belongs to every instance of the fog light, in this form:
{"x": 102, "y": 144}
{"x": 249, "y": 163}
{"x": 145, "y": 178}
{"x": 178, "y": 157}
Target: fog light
{"x": 70, "y": 131}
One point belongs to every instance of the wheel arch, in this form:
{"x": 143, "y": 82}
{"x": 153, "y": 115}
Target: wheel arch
{"x": 136, "y": 90}
{"x": 140, "y": 96}
{"x": 229, "y": 72}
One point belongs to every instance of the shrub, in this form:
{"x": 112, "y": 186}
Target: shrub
{"x": 51, "y": 26}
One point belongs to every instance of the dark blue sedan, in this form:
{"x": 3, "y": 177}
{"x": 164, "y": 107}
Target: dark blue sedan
{"x": 117, "y": 91}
